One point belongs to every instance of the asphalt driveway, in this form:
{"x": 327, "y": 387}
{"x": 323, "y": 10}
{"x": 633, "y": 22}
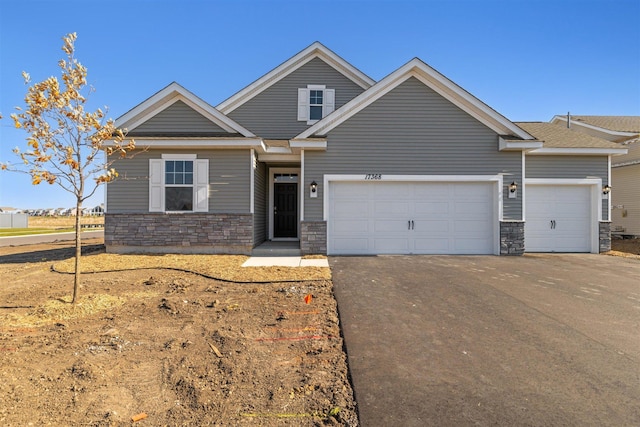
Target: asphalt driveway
{"x": 534, "y": 340}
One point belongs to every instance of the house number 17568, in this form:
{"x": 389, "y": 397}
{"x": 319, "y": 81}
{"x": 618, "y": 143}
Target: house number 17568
{"x": 373, "y": 176}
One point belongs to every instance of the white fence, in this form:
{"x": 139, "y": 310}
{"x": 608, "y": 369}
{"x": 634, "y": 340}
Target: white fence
{"x": 8, "y": 220}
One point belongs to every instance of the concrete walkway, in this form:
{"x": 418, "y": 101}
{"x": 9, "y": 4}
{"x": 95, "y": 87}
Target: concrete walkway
{"x": 284, "y": 261}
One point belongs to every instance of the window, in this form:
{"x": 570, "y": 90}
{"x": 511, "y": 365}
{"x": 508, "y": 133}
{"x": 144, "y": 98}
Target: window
{"x": 315, "y": 102}
{"x": 178, "y": 183}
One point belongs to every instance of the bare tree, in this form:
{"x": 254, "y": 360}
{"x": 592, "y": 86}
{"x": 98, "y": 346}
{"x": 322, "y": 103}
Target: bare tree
{"x": 67, "y": 145}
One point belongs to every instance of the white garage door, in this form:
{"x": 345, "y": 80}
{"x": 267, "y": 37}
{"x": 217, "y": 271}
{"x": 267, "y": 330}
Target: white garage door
{"x": 558, "y": 218}
{"x": 411, "y": 218}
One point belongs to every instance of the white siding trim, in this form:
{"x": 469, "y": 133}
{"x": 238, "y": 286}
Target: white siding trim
{"x": 578, "y": 151}
{"x": 302, "y": 192}
{"x": 609, "y": 198}
{"x": 271, "y": 172}
{"x": 523, "y": 186}
{"x": 252, "y": 182}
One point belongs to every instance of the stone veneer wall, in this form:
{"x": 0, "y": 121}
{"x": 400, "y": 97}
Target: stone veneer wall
{"x": 511, "y": 238}
{"x": 313, "y": 237}
{"x": 605, "y": 237}
{"x": 179, "y": 233}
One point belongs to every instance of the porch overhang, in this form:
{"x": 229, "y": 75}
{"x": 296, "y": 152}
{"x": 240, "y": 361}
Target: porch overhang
{"x": 509, "y": 144}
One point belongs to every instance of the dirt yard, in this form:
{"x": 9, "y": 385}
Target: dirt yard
{"x": 629, "y": 246}
{"x": 166, "y": 347}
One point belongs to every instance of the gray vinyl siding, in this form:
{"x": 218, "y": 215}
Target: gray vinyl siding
{"x": 229, "y": 181}
{"x": 570, "y": 167}
{"x": 178, "y": 119}
{"x": 260, "y": 204}
{"x": 273, "y": 113}
{"x": 412, "y": 130}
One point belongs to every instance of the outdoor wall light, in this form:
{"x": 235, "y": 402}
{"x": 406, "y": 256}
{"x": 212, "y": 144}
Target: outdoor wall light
{"x": 313, "y": 189}
{"x": 513, "y": 190}
{"x": 606, "y": 189}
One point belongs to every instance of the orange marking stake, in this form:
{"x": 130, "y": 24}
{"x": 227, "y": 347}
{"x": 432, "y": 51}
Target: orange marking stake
{"x": 308, "y": 298}
{"x": 139, "y": 417}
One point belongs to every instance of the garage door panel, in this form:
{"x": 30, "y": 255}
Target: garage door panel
{"x": 389, "y": 208}
{"x": 390, "y": 245}
{"x": 471, "y": 209}
{"x": 411, "y": 217}
{"x": 351, "y": 226}
{"x": 432, "y": 245}
{"x": 432, "y": 227}
{"x": 390, "y": 226}
{"x": 430, "y": 208}
{"x": 481, "y": 227}
{"x": 346, "y": 208}
{"x": 351, "y": 245}
{"x": 558, "y": 218}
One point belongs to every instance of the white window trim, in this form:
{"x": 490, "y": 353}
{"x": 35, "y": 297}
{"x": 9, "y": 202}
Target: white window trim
{"x": 200, "y": 184}
{"x": 304, "y": 102}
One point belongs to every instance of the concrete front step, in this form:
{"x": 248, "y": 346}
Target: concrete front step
{"x": 277, "y": 249}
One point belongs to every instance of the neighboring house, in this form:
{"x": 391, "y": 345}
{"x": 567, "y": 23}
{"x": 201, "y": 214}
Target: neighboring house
{"x": 625, "y": 169}
{"x": 317, "y": 152}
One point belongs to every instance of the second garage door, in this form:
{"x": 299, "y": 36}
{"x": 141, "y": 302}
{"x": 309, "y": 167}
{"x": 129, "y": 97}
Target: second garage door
{"x": 558, "y": 218}
{"x": 370, "y": 218}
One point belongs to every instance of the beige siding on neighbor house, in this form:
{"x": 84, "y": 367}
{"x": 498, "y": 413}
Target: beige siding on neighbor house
{"x": 625, "y": 199}
{"x": 273, "y": 113}
{"x": 412, "y": 130}
{"x": 177, "y": 119}
{"x": 229, "y": 181}
{"x": 633, "y": 155}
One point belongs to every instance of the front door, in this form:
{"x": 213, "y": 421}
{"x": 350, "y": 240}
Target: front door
{"x": 285, "y": 209}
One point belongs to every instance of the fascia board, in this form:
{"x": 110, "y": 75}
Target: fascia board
{"x": 579, "y": 151}
{"x": 194, "y": 143}
{"x": 309, "y": 145}
{"x": 504, "y": 145}
{"x": 615, "y": 133}
{"x": 313, "y": 51}
{"x": 285, "y": 158}
{"x": 434, "y": 80}
{"x": 168, "y": 96}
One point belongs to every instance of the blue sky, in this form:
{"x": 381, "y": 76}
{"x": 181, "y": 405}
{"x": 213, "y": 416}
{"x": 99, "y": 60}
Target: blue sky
{"x": 529, "y": 60}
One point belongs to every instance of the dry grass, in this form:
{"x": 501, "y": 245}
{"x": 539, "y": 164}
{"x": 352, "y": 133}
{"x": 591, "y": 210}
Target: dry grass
{"x": 54, "y": 222}
{"x": 58, "y": 310}
{"x": 223, "y": 267}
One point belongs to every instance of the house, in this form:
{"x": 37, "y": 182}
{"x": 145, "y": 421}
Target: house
{"x": 625, "y": 169}
{"x": 316, "y": 152}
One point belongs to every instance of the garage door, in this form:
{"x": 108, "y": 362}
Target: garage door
{"x": 558, "y": 218}
{"x": 411, "y": 218}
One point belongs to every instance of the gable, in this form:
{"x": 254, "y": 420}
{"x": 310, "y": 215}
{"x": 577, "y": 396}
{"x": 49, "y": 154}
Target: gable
{"x": 178, "y": 119}
{"x": 273, "y": 113}
{"x": 438, "y": 83}
{"x": 414, "y": 113}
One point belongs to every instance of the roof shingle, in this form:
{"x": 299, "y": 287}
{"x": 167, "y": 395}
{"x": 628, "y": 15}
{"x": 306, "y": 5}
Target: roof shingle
{"x": 555, "y": 136}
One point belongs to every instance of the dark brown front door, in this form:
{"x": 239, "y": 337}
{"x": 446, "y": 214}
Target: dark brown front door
{"x": 285, "y": 209}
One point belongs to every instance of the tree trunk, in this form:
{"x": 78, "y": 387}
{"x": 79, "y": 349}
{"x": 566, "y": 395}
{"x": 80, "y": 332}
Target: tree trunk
{"x": 76, "y": 277}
